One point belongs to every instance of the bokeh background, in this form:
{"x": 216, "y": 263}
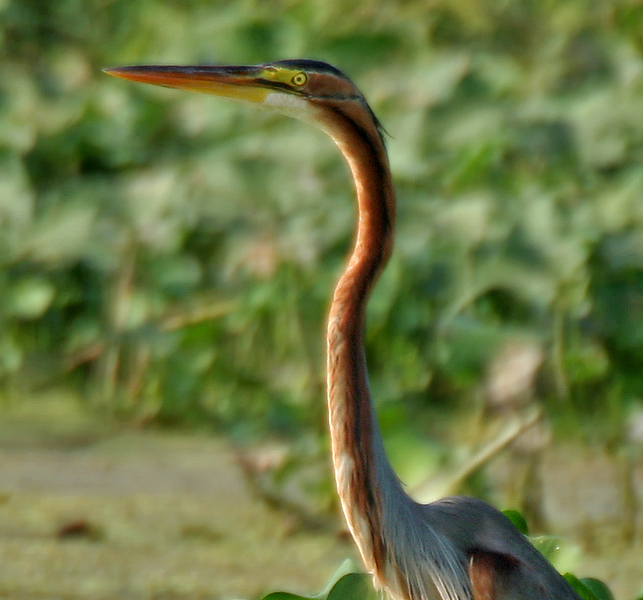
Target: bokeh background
{"x": 166, "y": 261}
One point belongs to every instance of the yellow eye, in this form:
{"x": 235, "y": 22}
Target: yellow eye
{"x": 299, "y": 78}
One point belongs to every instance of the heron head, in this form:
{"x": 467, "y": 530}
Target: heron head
{"x": 308, "y": 90}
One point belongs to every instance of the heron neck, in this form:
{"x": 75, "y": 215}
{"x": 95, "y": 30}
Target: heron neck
{"x": 363, "y": 473}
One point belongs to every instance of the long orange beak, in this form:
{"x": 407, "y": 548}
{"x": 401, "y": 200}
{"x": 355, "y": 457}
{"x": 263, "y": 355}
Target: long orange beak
{"x": 239, "y": 82}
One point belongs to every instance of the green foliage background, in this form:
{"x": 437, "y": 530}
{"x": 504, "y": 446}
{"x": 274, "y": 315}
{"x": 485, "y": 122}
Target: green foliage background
{"x": 171, "y": 255}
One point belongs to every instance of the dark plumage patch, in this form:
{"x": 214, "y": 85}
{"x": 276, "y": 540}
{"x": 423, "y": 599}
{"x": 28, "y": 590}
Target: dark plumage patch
{"x": 317, "y": 66}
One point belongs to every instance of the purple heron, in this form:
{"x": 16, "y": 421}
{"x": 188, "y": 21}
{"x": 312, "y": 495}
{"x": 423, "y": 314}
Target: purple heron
{"x": 457, "y": 548}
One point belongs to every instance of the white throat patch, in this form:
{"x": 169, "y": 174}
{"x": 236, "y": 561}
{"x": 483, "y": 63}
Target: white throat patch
{"x": 291, "y": 106}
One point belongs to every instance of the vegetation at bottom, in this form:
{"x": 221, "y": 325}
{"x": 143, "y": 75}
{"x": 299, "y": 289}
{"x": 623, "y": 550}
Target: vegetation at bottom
{"x": 348, "y": 583}
{"x": 169, "y": 256}
{"x": 357, "y": 586}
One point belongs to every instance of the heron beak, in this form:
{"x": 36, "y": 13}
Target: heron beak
{"x": 238, "y": 82}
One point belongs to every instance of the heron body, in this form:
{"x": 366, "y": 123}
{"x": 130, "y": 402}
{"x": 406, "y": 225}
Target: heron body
{"x": 457, "y": 548}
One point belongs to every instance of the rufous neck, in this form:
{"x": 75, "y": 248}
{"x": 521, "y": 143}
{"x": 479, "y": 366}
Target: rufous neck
{"x": 358, "y": 456}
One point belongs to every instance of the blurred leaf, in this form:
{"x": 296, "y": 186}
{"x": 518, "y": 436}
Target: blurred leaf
{"x": 434, "y": 80}
{"x": 586, "y": 362}
{"x": 29, "y": 297}
{"x": 562, "y": 553}
{"x": 11, "y": 354}
{"x": 62, "y": 235}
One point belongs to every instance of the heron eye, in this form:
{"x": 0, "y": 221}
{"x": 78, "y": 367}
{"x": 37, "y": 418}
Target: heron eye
{"x": 299, "y": 79}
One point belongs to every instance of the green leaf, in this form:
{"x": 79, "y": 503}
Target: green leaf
{"x": 354, "y": 586}
{"x": 346, "y": 568}
{"x": 345, "y": 584}
{"x": 598, "y": 588}
{"x": 518, "y": 520}
{"x": 589, "y": 588}
{"x": 579, "y": 587}
{"x": 284, "y": 596}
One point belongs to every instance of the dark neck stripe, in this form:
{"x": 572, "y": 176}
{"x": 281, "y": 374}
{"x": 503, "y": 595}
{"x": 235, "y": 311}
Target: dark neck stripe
{"x": 379, "y": 169}
{"x": 364, "y": 135}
